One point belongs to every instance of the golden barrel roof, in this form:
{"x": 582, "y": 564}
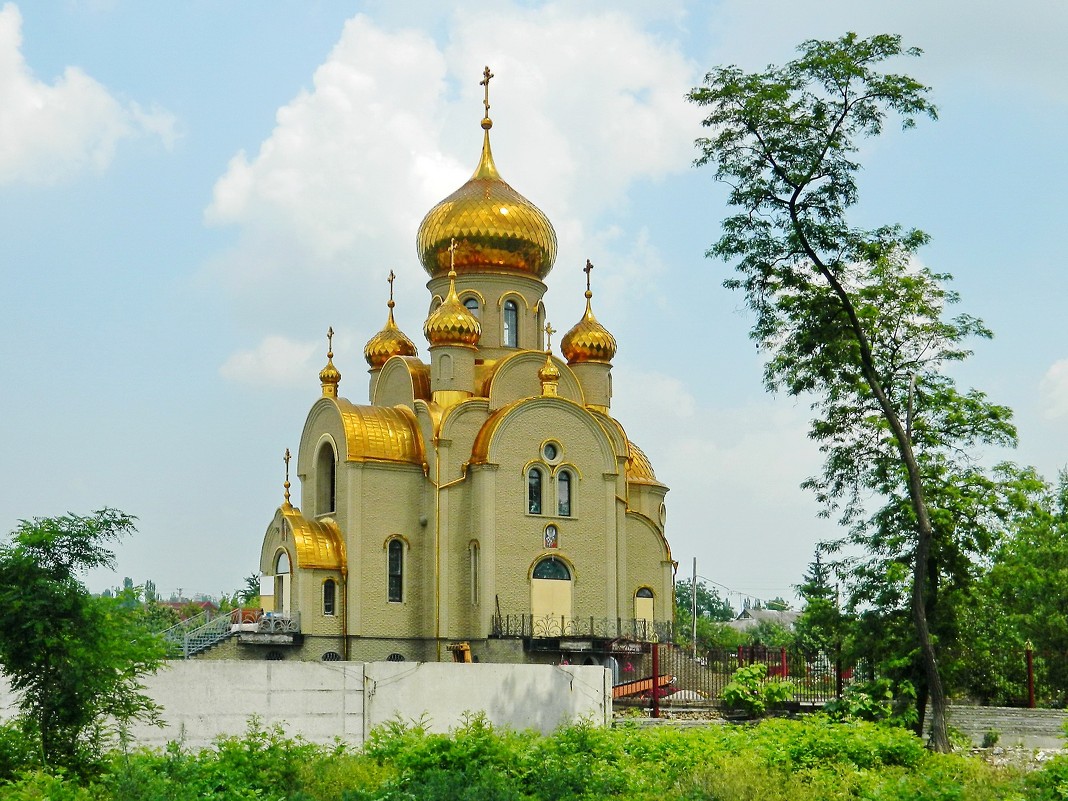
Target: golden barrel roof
{"x": 588, "y": 340}
{"x": 495, "y": 228}
{"x": 318, "y": 543}
{"x": 380, "y": 433}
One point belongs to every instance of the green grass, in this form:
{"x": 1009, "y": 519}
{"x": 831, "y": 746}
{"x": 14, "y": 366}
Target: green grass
{"x": 814, "y": 759}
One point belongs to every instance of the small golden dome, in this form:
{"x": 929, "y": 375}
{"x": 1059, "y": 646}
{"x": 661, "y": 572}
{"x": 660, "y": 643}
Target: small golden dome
{"x": 452, "y": 323}
{"x": 330, "y": 376}
{"x": 639, "y": 468}
{"x": 495, "y": 227}
{"x": 388, "y": 342}
{"x": 588, "y": 341}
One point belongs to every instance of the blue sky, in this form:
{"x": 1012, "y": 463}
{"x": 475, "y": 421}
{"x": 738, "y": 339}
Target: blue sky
{"x": 193, "y": 192}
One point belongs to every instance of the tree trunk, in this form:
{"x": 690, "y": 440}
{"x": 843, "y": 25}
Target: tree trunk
{"x": 924, "y": 532}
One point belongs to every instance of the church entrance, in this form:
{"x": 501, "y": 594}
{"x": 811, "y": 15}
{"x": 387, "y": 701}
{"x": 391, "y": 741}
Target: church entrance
{"x": 550, "y": 598}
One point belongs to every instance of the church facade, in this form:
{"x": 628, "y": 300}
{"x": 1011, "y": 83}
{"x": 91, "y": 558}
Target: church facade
{"x": 483, "y": 493}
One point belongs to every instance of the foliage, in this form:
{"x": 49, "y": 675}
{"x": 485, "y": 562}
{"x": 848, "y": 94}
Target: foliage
{"x": 850, "y": 317}
{"x": 876, "y": 701}
{"x": 710, "y": 604}
{"x": 812, "y": 759}
{"x": 75, "y": 661}
{"x": 751, "y": 692}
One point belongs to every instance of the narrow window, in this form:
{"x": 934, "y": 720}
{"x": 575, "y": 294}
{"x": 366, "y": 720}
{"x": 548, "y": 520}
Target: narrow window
{"x": 472, "y": 305}
{"x": 563, "y": 494}
{"x": 329, "y": 597}
{"x": 534, "y": 491}
{"x": 396, "y": 571}
{"x": 326, "y": 480}
{"x": 511, "y": 324}
{"x": 474, "y": 573}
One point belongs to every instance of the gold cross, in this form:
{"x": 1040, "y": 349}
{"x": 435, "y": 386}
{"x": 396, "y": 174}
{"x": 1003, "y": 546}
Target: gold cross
{"x": 549, "y": 331}
{"x": 486, "y": 75}
{"x": 588, "y": 269}
{"x": 391, "y": 279}
{"x": 452, "y": 254}
{"x": 329, "y": 355}
{"x": 286, "y": 485}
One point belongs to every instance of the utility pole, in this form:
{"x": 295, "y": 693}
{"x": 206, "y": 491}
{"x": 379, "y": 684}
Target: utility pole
{"x": 693, "y": 606}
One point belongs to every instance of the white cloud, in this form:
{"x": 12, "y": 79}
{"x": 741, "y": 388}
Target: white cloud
{"x": 50, "y": 132}
{"x": 1054, "y": 391}
{"x": 332, "y": 199}
{"x": 275, "y": 362}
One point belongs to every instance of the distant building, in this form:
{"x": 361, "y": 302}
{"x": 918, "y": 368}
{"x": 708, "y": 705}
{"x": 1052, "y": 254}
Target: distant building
{"x": 485, "y": 494}
{"x": 750, "y": 618}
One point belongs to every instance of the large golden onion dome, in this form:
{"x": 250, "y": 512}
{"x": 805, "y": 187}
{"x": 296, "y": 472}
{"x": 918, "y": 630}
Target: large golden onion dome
{"x": 388, "y": 342}
{"x": 588, "y": 340}
{"x": 452, "y": 323}
{"x": 495, "y": 227}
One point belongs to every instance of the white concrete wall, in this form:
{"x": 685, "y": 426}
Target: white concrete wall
{"x": 322, "y": 701}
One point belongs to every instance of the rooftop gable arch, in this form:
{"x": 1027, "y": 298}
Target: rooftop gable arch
{"x": 497, "y": 433}
{"x": 516, "y": 376}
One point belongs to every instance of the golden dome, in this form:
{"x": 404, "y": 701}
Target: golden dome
{"x": 388, "y": 342}
{"x": 452, "y": 323}
{"x": 330, "y": 376}
{"x": 588, "y": 341}
{"x": 639, "y": 468}
{"x": 495, "y": 227}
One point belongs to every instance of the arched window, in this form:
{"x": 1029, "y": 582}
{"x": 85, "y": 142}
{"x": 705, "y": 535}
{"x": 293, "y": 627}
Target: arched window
{"x": 329, "y": 597}
{"x": 534, "y": 491}
{"x": 472, "y": 306}
{"x": 563, "y": 494}
{"x": 511, "y": 324}
{"x": 552, "y": 569}
{"x": 643, "y": 613}
{"x": 325, "y": 480}
{"x": 281, "y": 583}
{"x": 395, "y": 568}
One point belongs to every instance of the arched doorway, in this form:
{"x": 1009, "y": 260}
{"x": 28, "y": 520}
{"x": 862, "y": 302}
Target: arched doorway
{"x": 550, "y": 597}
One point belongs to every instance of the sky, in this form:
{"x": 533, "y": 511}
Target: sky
{"x": 192, "y": 193}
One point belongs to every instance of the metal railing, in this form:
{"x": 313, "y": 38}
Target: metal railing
{"x": 559, "y": 626}
{"x": 199, "y": 633}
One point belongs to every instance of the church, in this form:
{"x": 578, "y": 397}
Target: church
{"x": 483, "y": 494}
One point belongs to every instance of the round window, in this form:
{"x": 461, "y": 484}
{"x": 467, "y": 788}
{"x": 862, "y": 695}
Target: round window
{"x": 551, "y": 451}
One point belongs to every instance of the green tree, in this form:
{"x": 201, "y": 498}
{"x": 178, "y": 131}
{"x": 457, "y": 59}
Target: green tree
{"x": 820, "y": 626}
{"x": 710, "y": 604}
{"x": 75, "y": 660}
{"x": 847, "y": 316}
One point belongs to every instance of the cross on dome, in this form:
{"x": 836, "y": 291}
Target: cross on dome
{"x": 549, "y": 331}
{"x": 486, "y": 75}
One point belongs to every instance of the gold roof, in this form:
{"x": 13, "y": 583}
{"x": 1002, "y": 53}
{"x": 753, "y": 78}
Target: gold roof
{"x": 380, "y": 433}
{"x": 330, "y": 376}
{"x": 390, "y": 341}
{"x": 318, "y": 543}
{"x": 588, "y": 340}
{"x": 452, "y": 323}
{"x": 495, "y": 227}
{"x": 639, "y": 468}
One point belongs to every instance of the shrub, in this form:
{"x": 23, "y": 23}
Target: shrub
{"x": 750, "y": 693}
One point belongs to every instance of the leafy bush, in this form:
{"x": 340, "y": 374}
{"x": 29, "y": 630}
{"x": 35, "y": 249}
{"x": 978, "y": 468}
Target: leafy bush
{"x": 749, "y": 692}
{"x": 880, "y": 700}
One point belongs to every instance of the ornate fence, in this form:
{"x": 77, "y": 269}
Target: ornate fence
{"x": 559, "y": 627}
